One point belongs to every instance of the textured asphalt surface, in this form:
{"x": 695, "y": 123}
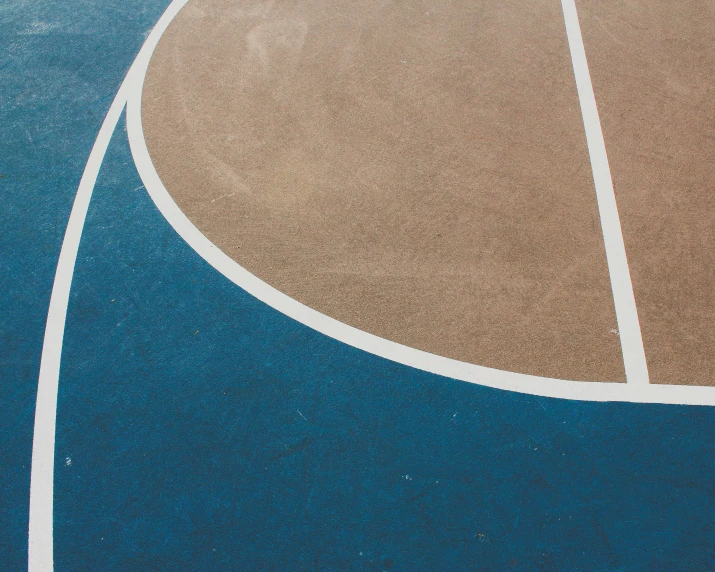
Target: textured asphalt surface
{"x": 199, "y": 429}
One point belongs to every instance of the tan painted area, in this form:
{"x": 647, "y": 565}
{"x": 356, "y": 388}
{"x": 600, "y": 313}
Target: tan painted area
{"x": 415, "y": 169}
{"x": 653, "y": 71}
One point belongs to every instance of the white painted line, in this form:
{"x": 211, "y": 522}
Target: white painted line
{"x": 40, "y": 557}
{"x": 40, "y": 539}
{"x": 523, "y": 383}
{"x": 43, "y": 442}
{"x": 626, "y": 313}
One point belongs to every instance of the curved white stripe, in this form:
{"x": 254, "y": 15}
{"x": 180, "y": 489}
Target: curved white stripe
{"x": 590, "y": 391}
{"x": 629, "y": 329}
{"x": 40, "y": 553}
{"x": 40, "y": 540}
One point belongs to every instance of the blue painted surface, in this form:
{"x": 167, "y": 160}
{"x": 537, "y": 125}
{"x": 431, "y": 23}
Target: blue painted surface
{"x": 60, "y": 65}
{"x": 200, "y": 430}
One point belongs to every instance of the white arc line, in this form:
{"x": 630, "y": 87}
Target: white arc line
{"x": 40, "y": 545}
{"x": 40, "y": 557}
{"x": 629, "y": 329}
{"x": 40, "y": 540}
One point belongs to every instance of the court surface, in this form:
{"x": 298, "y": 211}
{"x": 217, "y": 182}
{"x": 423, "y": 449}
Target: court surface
{"x": 360, "y": 285}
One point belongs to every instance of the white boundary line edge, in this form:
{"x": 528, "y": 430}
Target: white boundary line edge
{"x": 43, "y": 442}
{"x": 40, "y": 542}
{"x": 629, "y": 329}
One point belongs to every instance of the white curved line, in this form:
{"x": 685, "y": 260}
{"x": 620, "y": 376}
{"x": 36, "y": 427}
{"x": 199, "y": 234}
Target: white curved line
{"x": 43, "y": 442}
{"x": 40, "y": 537}
{"x": 40, "y": 543}
{"x": 529, "y": 384}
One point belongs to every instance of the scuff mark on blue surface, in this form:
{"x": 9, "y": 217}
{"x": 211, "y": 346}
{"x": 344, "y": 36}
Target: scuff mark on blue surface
{"x": 187, "y": 452}
{"x": 61, "y": 64}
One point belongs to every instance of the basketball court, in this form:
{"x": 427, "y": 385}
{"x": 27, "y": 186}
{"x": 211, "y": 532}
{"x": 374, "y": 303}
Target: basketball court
{"x": 358, "y": 286}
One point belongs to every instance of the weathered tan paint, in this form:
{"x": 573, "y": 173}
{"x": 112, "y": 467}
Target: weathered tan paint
{"x": 419, "y": 172}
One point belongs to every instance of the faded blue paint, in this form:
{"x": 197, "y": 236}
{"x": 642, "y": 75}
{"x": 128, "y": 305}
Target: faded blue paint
{"x": 200, "y": 430}
{"x": 60, "y": 65}
{"x": 205, "y": 431}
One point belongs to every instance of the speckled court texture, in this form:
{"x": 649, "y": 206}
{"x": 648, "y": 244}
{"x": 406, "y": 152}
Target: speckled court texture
{"x": 346, "y": 293}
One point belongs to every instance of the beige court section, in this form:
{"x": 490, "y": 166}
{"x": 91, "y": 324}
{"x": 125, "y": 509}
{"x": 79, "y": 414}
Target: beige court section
{"x": 415, "y": 169}
{"x": 653, "y": 70}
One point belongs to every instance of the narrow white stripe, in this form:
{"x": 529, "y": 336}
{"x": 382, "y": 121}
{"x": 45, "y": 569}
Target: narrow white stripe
{"x": 628, "y": 326}
{"x": 507, "y": 380}
{"x": 40, "y": 540}
{"x": 41, "y": 487}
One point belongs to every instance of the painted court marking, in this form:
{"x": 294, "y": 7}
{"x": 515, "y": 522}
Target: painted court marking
{"x": 40, "y": 545}
{"x": 629, "y": 329}
{"x": 43, "y": 442}
{"x": 40, "y": 541}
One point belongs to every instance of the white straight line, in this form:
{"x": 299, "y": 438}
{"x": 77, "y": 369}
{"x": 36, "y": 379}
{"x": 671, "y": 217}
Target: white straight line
{"x": 626, "y": 313}
{"x": 472, "y": 373}
{"x": 40, "y": 557}
{"x": 40, "y": 540}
